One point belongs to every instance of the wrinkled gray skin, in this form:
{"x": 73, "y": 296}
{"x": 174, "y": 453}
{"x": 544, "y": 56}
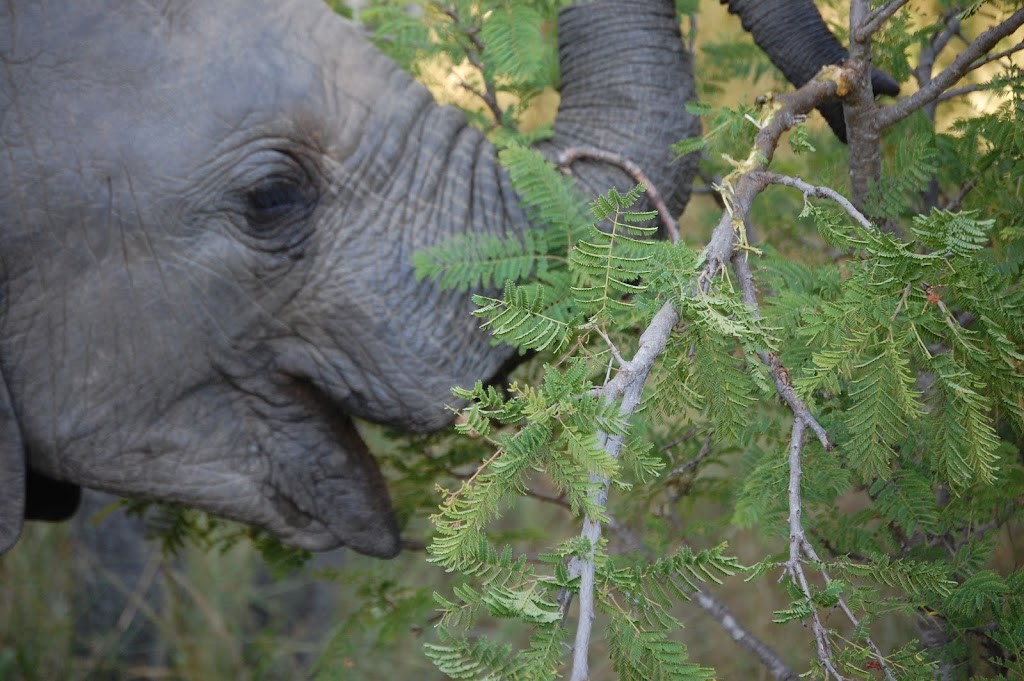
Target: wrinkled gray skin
{"x": 207, "y": 213}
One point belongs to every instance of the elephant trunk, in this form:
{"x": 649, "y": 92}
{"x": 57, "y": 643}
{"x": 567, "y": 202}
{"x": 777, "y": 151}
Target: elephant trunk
{"x": 792, "y": 34}
{"x": 626, "y": 79}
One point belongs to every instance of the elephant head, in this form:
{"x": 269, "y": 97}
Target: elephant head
{"x": 207, "y": 214}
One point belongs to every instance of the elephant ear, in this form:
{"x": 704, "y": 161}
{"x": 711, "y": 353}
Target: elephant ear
{"x": 12, "y": 472}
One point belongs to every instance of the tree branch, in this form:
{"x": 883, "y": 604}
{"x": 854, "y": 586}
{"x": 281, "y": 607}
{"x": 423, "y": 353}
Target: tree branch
{"x": 821, "y": 193}
{"x": 692, "y": 464}
{"x": 567, "y": 157}
{"x": 489, "y": 96}
{"x": 936, "y": 44}
{"x": 794, "y": 566}
{"x": 969, "y": 59}
{"x": 998, "y": 55}
{"x": 878, "y": 17}
{"x": 783, "y": 384}
{"x": 801, "y": 549}
{"x": 627, "y": 385}
{"x": 718, "y": 611}
{"x": 863, "y": 134}
{"x": 959, "y": 92}
{"x": 776, "y": 666}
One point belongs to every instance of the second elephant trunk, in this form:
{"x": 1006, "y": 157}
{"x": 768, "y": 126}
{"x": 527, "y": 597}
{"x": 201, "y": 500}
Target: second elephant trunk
{"x": 626, "y": 79}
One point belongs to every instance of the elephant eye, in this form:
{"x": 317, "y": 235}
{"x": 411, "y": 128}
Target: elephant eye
{"x": 276, "y": 199}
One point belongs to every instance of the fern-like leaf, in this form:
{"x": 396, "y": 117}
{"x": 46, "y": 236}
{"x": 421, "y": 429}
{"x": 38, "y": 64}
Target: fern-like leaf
{"x": 480, "y": 261}
{"x": 644, "y": 655}
{"x": 515, "y": 45}
{"x": 609, "y": 265}
{"x": 954, "y": 234}
{"x": 884, "y": 399}
{"x": 518, "y": 319}
{"x": 464, "y": 658}
{"x": 964, "y": 440}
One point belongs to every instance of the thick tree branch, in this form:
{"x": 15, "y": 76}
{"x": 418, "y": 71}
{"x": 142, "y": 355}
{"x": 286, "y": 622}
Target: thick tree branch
{"x": 863, "y": 134}
{"x": 972, "y": 57}
{"x": 626, "y": 385}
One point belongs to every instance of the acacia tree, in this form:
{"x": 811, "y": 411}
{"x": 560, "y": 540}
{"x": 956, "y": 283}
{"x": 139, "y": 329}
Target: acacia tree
{"x": 849, "y": 336}
{"x": 836, "y": 363}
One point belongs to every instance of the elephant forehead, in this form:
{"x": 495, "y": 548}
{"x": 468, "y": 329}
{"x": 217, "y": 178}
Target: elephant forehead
{"x": 160, "y": 86}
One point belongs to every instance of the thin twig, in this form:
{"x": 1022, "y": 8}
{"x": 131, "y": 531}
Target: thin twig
{"x": 611, "y": 346}
{"x": 212, "y": 617}
{"x": 960, "y": 92}
{"x": 808, "y": 549}
{"x": 718, "y": 611}
{"x": 801, "y": 549}
{"x": 937, "y": 43}
{"x": 688, "y": 435}
{"x": 489, "y": 96}
{"x": 877, "y": 18}
{"x": 821, "y": 193}
{"x": 136, "y": 602}
{"x": 567, "y": 157}
{"x": 783, "y": 383}
{"x": 998, "y": 55}
{"x": 711, "y": 182}
{"x": 705, "y": 451}
{"x": 794, "y": 566}
{"x": 776, "y": 666}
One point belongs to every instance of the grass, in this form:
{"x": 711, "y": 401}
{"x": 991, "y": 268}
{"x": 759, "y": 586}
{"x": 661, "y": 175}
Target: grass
{"x": 66, "y": 613}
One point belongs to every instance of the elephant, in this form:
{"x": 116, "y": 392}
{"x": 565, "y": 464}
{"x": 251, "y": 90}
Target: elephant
{"x": 207, "y": 215}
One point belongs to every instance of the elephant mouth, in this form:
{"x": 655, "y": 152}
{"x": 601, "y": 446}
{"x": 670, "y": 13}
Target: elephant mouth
{"x": 326, "y": 486}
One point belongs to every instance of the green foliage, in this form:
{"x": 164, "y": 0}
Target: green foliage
{"x": 519, "y": 319}
{"x": 608, "y": 268}
{"x": 908, "y": 346}
{"x": 508, "y": 44}
{"x": 641, "y": 655}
